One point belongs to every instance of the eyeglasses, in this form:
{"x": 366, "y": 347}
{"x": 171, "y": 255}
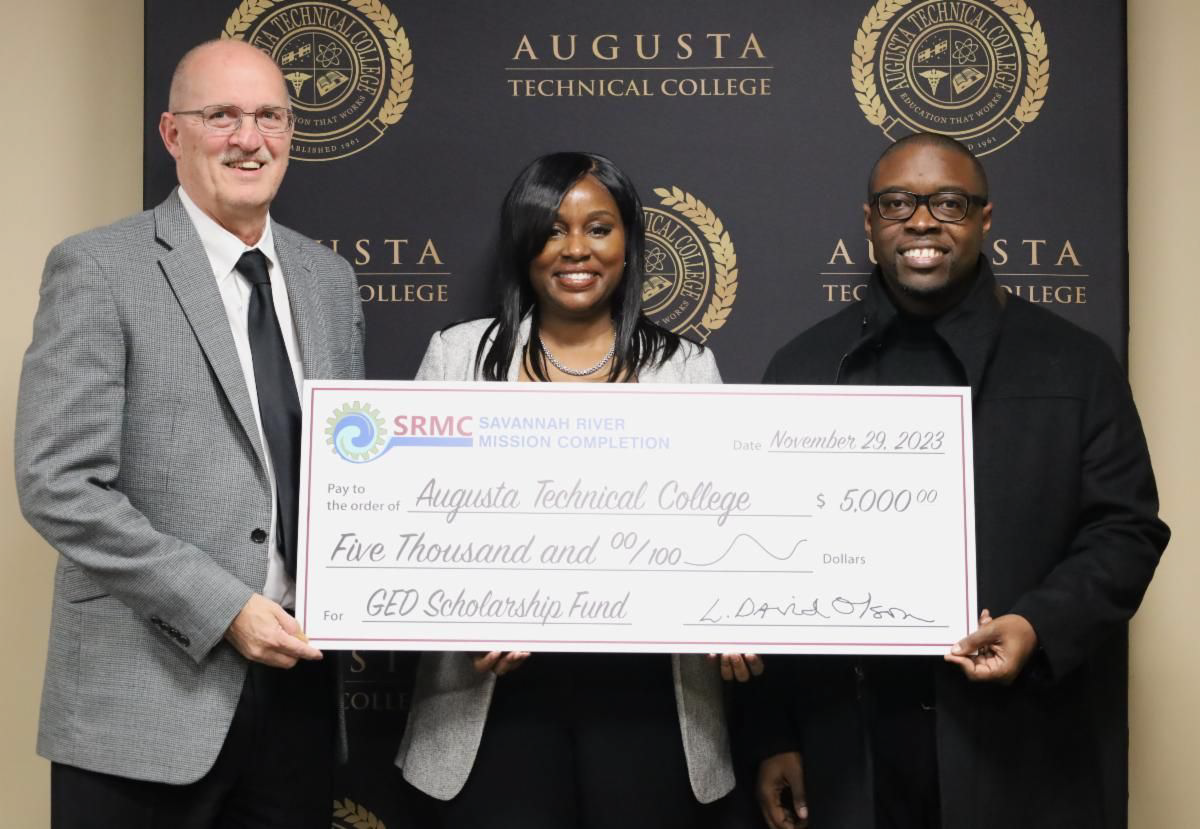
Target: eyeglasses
{"x": 945, "y": 206}
{"x": 225, "y": 119}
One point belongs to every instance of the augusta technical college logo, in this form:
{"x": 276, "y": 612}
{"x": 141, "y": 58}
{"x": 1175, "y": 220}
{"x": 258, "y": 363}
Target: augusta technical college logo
{"x": 357, "y": 432}
{"x": 691, "y": 266}
{"x": 348, "y": 64}
{"x": 350, "y": 815}
{"x": 977, "y": 70}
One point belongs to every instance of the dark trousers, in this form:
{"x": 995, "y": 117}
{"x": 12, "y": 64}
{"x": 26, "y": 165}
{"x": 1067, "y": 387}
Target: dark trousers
{"x": 903, "y": 724}
{"x": 274, "y": 771}
{"x": 580, "y": 740}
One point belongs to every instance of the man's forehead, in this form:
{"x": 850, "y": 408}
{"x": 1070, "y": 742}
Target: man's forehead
{"x": 934, "y": 167}
{"x": 231, "y": 71}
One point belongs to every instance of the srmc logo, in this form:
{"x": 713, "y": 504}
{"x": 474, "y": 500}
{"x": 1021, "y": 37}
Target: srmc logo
{"x": 357, "y": 432}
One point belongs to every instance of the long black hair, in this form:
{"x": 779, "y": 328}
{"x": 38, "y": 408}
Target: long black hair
{"x": 527, "y": 218}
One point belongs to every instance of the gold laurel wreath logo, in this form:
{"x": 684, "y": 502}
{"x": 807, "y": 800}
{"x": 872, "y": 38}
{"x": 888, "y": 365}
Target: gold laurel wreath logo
{"x": 719, "y": 244}
{"x": 1037, "y": 79}
{"x": 862, "y": 61}
{"x": 243, "y": 16}
{"x": 401, "y": 57}
{"x": 399, "y": 49}
{"x": 355, "y": 815}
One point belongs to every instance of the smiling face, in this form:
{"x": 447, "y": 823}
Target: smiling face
{"x": 581, "y": 265}
{"x": 233, "y": 177}
{"x": 927, "y": 265}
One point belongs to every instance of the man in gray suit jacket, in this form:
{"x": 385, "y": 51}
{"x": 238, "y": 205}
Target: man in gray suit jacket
{"x": 156, "y": 452}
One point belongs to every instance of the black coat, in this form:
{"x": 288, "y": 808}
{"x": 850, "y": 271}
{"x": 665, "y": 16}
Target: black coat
{"x": 1067, "y": 535}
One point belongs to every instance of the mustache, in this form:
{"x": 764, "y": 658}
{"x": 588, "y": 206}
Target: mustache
{"x": 232, "y": 156}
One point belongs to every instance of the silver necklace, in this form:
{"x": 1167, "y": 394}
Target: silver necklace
{"x": 577, "y": 372}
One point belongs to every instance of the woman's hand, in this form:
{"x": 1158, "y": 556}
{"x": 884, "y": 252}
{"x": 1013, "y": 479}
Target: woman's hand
{"x": 739, "y": 666}
{"x": 499, "y": 662}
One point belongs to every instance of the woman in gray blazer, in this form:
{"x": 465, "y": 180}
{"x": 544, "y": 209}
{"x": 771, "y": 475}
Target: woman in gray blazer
{"x": 596, "y": 740}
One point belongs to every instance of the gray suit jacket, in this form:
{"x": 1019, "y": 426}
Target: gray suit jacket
{"x": 451, "y": 700}
{"x": 138, "y": 459}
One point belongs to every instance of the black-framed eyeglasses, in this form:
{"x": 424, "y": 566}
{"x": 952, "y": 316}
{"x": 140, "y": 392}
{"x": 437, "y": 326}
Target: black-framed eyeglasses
{"x": 225, "y": 119}
{"x": 945, "y": 205}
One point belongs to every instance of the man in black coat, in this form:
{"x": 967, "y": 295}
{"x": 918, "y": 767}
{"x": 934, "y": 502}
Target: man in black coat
{"x": 1024, "y": 723}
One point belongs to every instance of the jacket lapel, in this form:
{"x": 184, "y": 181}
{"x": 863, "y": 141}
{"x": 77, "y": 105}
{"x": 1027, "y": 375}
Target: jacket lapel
{"x": 186, "y": 267}
{"x": 301, "y": 286}
{"x": 973, "y": 328}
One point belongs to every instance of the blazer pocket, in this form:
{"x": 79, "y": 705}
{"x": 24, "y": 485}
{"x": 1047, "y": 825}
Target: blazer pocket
{"x": 75, "y": 587}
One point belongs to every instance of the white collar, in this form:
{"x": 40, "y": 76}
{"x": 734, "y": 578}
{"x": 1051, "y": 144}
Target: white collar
{"x": 223, "y": 248}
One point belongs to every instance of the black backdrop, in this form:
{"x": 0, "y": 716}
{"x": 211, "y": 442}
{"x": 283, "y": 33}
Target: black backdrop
{"x": 748, "y": 125}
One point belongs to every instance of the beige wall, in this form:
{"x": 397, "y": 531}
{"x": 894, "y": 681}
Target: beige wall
{"x": 72, "y": 161}
{"x": 1164, "y": 180}
{"x": 71, "y": 156}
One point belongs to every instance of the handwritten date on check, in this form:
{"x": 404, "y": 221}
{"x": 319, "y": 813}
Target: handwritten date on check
{"x": 638, "y": 518}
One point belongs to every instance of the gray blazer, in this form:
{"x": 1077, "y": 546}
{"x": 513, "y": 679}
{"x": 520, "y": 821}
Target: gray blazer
{"x": 138, "y": 460}
{"x": 450, "y": 700}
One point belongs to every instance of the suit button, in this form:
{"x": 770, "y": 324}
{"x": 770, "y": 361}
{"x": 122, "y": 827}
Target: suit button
{"x": 259, "y": 535}
{"x": 183, "y": 640}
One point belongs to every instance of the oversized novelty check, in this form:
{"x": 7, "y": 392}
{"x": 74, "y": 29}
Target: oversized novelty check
{"x": 595, "y": 517}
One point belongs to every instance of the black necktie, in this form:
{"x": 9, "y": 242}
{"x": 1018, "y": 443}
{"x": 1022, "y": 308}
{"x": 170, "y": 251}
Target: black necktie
{"x": 278, "y": 403}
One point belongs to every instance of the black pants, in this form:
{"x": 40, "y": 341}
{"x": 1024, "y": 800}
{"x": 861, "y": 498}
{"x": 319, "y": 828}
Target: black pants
{"x": 580, "y": 740}
{"x": 903, "y": 725}
{"x": 274, "y": 771}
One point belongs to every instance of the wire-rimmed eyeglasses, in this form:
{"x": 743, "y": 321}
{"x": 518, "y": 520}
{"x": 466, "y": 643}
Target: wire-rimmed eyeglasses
{"x": 224, "y": 119}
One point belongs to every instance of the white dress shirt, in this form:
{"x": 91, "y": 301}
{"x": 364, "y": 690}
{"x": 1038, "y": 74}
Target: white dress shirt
{"x": 224, "y": 250}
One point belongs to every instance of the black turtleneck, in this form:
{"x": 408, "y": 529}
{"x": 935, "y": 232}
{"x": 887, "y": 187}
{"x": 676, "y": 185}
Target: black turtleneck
{"x": 912, "y": 353}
